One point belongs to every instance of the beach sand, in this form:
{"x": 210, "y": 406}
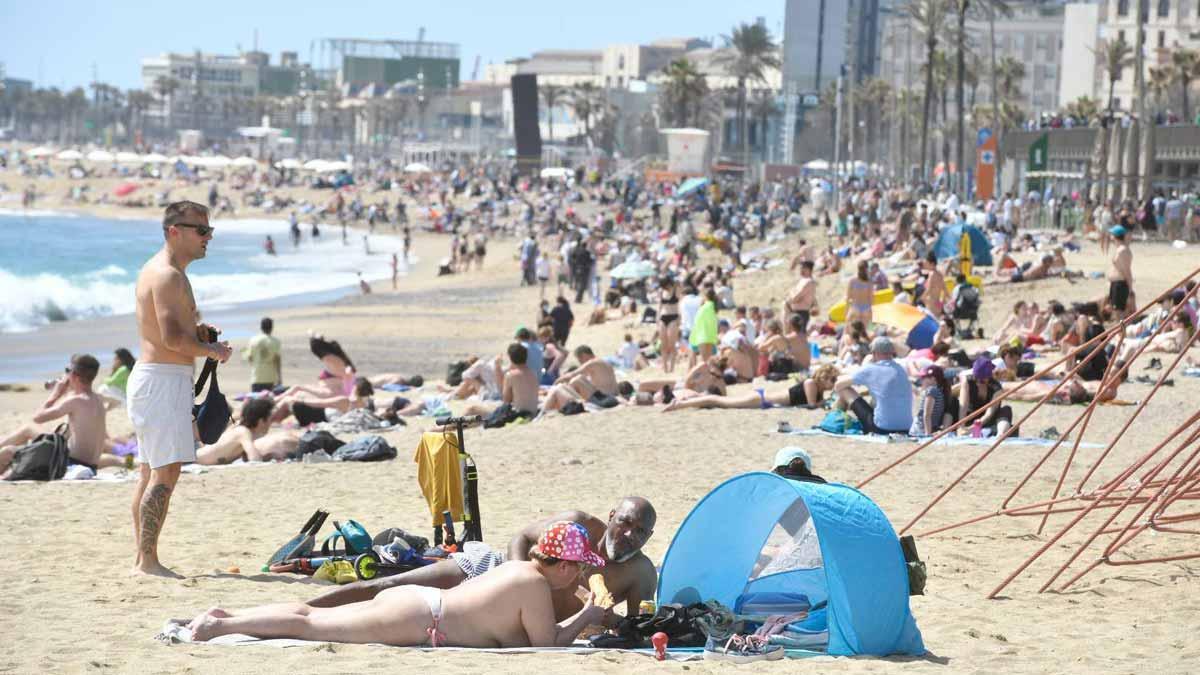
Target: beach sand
{"x": 70, "y": 605}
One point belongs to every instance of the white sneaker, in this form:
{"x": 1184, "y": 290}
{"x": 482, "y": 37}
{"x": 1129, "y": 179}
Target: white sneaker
{"x": 742, "y": 649}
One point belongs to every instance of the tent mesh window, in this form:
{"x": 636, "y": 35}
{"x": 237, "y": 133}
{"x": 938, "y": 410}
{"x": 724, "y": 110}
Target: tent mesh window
{"x": 792, "y": 545}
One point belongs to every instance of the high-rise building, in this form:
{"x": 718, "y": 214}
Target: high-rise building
{"x": 822, "y": 36}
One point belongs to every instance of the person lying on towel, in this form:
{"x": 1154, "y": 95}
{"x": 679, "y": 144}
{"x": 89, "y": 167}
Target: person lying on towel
{"x": 511, "y": 607}
{"x": 628, "y": 575}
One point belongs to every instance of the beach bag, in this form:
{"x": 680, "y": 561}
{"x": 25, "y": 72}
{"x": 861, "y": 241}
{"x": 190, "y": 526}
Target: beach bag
{"x": 501, "y": 416}
{"x": 840, "y": 422}
{"x": 313, "y": 441}
{"x": 213, "y": 415}
{"x": 354, "y": 538}
{"x": 366, "y": 449}
{"x": 44, "y": 458}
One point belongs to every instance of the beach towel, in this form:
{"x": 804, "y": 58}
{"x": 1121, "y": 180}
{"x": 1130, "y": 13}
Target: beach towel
{"x": 395, "y": 387}
{"x": 175, "y": 632}
{"x": 945, "y": 440}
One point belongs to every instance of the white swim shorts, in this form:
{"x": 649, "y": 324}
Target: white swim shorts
{"x": 159, "y": 397}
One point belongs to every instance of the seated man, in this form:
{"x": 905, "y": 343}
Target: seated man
{"x": 519, "y": 387}
{"x": 593, "y": 379}
{"x": 240, "y": 441}
{"x": 85, "y": 410}
{"x": 628, "y": 575}
{"x": 512, "y": 607}
{"x": 737, "y": 351}
{"x": 890, "y": 390}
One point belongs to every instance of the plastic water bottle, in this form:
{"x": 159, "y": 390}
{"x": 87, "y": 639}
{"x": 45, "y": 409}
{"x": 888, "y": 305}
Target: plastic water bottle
{"x": 977, "y": 430}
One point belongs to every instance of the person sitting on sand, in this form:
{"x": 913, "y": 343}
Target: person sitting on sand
{"x": 791, "y": 346}
{"x": 808, "y": 393}
{"x": 628, "y": 575}
{"x": 310, "y": 410}
{"x": 113, "y": 387}
{"x": 511, "y": 607}
{"x": 976, "y": 390}
{"x": 932, "y": 407}
{"x": 706, "y": 377}
{"x": 240, "y": 440}
{"x": 84, "y": 409}
{"x": 591, "y": 377}
{"x": 337, "y": 370}
{"x": 1171, "y": 340}
{"x": 518, "y": 385}
{"x": 889, "y": 388}
{"x": 795, "y": 463}
{"x": 737, "y": 351}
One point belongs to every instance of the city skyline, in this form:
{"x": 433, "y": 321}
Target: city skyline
{"x": 116, "y": 41}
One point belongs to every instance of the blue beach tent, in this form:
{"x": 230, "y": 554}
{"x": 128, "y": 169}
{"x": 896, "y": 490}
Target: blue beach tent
{"x": 750, "y": 535}
{"x": 949, "y": 242}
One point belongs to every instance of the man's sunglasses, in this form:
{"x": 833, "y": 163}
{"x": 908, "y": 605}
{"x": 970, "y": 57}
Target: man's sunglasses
{"x": 202, "y": 230}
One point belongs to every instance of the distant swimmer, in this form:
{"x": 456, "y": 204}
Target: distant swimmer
{"x": 159, "y": 389}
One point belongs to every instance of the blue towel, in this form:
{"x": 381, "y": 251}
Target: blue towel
{"x": 395, "y": 387}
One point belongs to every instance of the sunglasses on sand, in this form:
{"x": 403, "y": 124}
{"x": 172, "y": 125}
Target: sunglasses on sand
{"x": 202, "y": 230}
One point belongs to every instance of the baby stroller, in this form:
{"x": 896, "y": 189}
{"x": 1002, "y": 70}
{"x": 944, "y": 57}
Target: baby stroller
{"x": 966, "y": 309}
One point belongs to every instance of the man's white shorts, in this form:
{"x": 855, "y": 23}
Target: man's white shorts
{"x": 159, "y": 397}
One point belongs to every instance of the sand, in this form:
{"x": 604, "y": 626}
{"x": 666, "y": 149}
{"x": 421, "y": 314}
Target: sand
{"x": 70, "y": 605}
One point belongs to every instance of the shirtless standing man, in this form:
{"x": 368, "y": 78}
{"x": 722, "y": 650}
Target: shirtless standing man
{"x": 85, "y": 410}
{"x": 803, "y": 300}
{"x": 159, "y": 391}
{"x": 1120, "y": 275}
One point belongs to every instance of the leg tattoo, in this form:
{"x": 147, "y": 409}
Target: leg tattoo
{"x": 154, "y": 511}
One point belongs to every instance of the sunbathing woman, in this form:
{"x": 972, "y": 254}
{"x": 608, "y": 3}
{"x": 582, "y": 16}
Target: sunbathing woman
{"x": 1076, "y": 390}
{"x": 313, "y": 410}
{"x": 860, "y": 295}
{"x": 705, "y": 377}
{"x": 510, "y": 606}
{"x": 809, "y": 393}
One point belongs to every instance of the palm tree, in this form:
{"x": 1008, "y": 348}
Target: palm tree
{"x": 1115, "y": 56}
{"x": 1186, "y": 64}
{"x": 749, "y": 53}
{"x": 165, "y": 87}
{"x": 1084, "y": 107}
{"x": 684, "y": 92}
{"x": 552, "y": 95}
{"x": 584, "y": 100}
{"x": 873, "y": 95}
{"x": 1161, "y": 79}
{"x": 929, "y": 16}
{"x": 906, "y": 100}
{"x": 137, "y": 102}
{"x": 960, "y": 8}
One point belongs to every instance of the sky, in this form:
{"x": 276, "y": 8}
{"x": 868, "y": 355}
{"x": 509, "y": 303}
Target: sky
{"x": 60, "y": 42}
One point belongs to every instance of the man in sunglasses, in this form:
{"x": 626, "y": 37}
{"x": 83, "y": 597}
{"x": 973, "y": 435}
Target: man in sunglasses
{"x": 159, "y": 390}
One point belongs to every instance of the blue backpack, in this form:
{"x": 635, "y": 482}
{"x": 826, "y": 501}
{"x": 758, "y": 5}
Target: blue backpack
{"x": 840, "y": 422}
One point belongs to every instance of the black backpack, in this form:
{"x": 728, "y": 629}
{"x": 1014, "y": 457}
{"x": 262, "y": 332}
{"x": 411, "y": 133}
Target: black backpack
{"x": 44, "y": 458}
{"x": 212, "y": 416}
{"x": 313, "y": 441}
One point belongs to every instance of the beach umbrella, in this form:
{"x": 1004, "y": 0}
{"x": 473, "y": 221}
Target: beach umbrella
{"x": 124, "y": 189}
{"x": 41, "y": 151}
{"x": 127, "y": 157}
{"x": 245, "y": 161}
{"x": 336, "y": 166}
{"x": 691, "y": 185}
{"x": 315, "y": 165}
{"x": 634, "y": 269}
{"x": 100, "y": 156}
{"x": 69, "y": 155}
{"x": 154, "y": 158}
{"x": 917, "y": 325}
{"x": 949, "y": 243}
{"x": 288, "y": 163}
{"x": 417, "y": 167}
{"x": 217, "y": 161}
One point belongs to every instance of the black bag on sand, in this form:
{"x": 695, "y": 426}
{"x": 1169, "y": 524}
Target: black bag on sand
{"x": 313, "y": 441}
{"x": 917, "y": 573}
{"x": 366, "y": 449}
{"x": 44, "y": 458}
{"x": 212, "y": 416}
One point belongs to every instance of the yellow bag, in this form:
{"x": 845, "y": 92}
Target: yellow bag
{"x": 338, "y": 571}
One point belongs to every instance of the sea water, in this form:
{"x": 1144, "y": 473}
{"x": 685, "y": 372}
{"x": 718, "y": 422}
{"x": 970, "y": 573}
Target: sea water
{"x": 66, "y": 267}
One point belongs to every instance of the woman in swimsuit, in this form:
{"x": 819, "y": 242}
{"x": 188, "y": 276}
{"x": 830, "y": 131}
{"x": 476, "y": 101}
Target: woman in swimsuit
{"x": 808, "y": 393}
{"x": 860, "y": 294}
{"x": 668, "y": 322}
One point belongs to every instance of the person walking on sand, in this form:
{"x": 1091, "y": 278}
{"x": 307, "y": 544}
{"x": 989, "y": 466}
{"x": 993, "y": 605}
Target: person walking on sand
{"x": 159, "y": 391}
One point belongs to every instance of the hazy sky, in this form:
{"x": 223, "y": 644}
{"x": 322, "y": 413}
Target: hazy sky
{"x": 57, "y": 42}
